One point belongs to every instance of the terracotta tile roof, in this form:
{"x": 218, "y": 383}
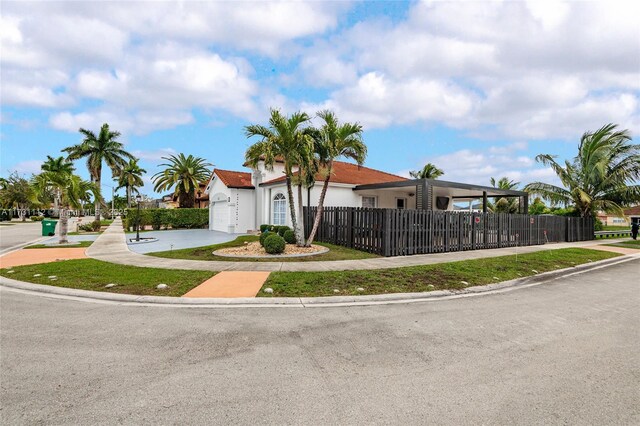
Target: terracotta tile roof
{"x": 234, "y": 179}
{"x": 351, "y": 174}
{"x": 632, "y": 211}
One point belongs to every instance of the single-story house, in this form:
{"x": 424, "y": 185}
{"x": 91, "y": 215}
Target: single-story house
{"x": 633, "y": 213}
{"x": 241, "y": 201}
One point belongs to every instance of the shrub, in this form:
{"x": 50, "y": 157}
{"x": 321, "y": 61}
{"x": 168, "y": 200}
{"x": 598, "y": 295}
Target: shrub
{"x": 165, "y": 218}
{"x": 598, "y": 225}
{"x": 263, "y": 236}
{"x": 274, "y": 244}
{"x": 90, "y": 227}
{"x": 264, "y": 228}
{"x": 282, "y": 230}
{"x": 289, "y": 236}
{"x": 37, "y": 218}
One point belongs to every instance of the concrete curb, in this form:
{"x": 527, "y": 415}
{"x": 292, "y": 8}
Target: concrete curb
{"x": 330, "y": 301}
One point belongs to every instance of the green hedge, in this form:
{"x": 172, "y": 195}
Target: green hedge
{"x": 167, "y": 218}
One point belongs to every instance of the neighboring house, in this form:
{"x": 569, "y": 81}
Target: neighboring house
{"x": 633, "y": 213}
{"x": 612, "y": 220}
{"x": 242, "y": 201}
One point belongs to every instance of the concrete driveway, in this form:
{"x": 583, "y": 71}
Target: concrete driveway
{"x": 560, "y": 353}
{"x": 179, "y": 239}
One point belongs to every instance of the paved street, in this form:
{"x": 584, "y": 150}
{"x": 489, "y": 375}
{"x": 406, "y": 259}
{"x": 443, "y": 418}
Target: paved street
{"x": 18, "y": 233}
{"x": 566, "y": 352}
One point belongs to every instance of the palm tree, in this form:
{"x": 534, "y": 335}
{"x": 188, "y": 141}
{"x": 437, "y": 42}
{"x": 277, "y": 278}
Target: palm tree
{"x": 334, "y": 140}
{"x": 71, "y": 189}
{"x": 98, "y": 149}
{"x": 601, "y": 177}
{"x": 285, "y": 139}
{"x": 505, "y": 205}
{"x": 130, "y": 178}
{"x": 58, "y": 165}
{"x": 183, "y": 173}
{"x": 429, "y": 171}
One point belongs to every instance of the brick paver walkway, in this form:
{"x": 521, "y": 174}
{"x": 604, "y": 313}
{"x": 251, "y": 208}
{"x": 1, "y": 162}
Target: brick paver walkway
{"x": 112, "y": 247}
{"x": 230, "y": 284}
{"x": 43, "y": 255}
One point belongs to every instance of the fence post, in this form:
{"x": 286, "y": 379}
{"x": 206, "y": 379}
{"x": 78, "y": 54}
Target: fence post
{"x": 386, "y": 234}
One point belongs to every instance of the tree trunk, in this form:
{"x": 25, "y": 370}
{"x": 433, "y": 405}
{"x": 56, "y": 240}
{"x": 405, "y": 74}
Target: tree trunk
{"x": 97, "y": 201}
{"x": 292, "y": 207}
{"x": 300, "y": 230}
{"x": 318, "y": 218}
{"x": 64, "y": 226}
{"x": 128, "y": 196}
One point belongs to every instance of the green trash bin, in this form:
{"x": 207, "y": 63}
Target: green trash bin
{"x": 49, "y": 227}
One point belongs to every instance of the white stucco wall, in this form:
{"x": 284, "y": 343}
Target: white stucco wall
{"x": 243, "y": 215}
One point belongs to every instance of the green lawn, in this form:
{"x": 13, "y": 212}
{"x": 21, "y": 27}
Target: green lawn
{"x": 419, "y": 278}
{"x": 205, "y": 253}
{"x": 91, "y": 274}
{"x": 78, "y": 244}
{"x": 634, "y": 244}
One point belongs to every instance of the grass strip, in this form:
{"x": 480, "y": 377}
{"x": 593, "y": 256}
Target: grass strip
{"x": 634, "y": 244}
{"x": 205, "y": 253}
{"x": 91, "y": 274}
{"x": 449, "y": 276}
{"x": 79, "y": 244}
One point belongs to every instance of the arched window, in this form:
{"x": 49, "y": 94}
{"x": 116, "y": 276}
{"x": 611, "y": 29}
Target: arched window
{"x": 279, "y": 209}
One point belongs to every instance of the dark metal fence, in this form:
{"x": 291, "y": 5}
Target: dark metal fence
{"x": 393, "y": 232}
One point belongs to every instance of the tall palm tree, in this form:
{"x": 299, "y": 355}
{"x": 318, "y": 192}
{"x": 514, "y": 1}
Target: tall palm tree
{"x": 602, "y": 176}
{"x": 429, "y": 171}
{"x": 287, "y": 140}
{"x": 504, "y": 204}
{"x": 184, "y": 173}
{"x": 56, "y": 166}
{"x": 100, "y": 148}
{"x": 334, "y": 140}
{"x": 130, "y": 178}
{"x": 72, "y": 191}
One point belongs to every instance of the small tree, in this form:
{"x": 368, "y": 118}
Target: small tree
{"x": 184, "y": 173}
{"x": 130, "y": 178}
{"x": 287, "y": 140}
{"x": 15, "y": 192}
{"x": 332, "y": 141}
{"x": 103, "y": 147}
{"x": 602, "y": 176}
{"x": 429, "y": 171}
{"x": 72, "y": 190}
{"x": 505, "y": 204}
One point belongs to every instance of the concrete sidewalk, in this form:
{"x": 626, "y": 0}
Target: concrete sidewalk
{"x": 111, "y": 247}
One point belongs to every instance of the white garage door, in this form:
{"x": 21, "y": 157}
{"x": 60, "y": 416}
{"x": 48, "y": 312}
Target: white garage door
{"x": 220, "y": 219}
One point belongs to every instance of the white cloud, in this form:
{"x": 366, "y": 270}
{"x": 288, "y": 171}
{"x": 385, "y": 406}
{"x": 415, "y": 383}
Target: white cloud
{"x": 479, "y": 166}
{"x": 138, "y": 123}
{"x": 536, "y": 70}
{"x": 377, "y": 101}
{"x": 28, "y": 167}
{"x": 154, "y": 155}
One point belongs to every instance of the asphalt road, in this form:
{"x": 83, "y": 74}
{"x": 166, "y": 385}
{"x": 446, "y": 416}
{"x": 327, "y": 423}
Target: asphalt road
{"x": 18, "y": 233}
{"x": 566, "y": 352}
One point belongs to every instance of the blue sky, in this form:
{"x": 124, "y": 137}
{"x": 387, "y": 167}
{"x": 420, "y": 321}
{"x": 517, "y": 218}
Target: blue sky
{"x": 478, "y": 88}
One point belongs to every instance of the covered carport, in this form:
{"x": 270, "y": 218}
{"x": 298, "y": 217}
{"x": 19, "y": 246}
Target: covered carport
{"x": 434, "y": 194}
